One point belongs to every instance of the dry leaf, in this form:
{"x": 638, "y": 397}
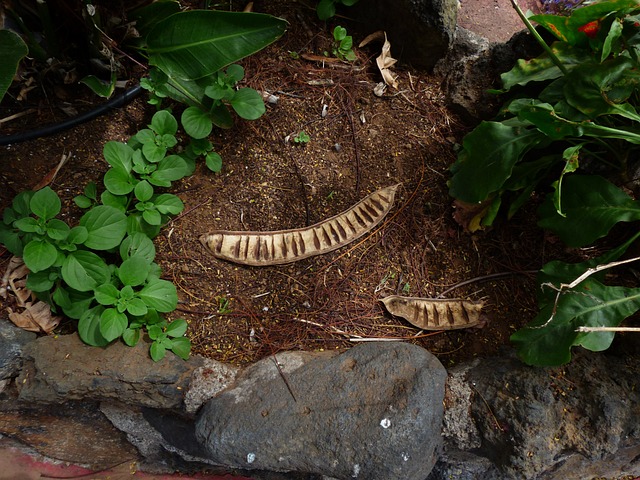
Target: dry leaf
{"x": 373, "y": 37}
{"x": 35, "y": 318}
{"x": 384, "y": 61}
{"x": 469, "y": 215}
{"x": 435, "y": 314}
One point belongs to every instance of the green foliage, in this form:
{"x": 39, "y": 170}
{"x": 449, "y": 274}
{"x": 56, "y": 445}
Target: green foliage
{"x": 12, "y": 51}
{"x": 343, "y": 44}
{"x": 101, "y": 272}
{"x": 327, "y": 8}
{"x": 217, "y": 39}
{"x": 582, "y": 121}
{"x": 302, "y": 137}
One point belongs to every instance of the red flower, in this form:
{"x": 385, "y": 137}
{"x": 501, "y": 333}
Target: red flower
{"x": 590, "y": 29}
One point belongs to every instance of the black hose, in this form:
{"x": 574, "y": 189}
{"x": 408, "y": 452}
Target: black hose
{"x": 115, "y": 102}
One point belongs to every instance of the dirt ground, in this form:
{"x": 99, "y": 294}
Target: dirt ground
{"x": 240, "y": 314}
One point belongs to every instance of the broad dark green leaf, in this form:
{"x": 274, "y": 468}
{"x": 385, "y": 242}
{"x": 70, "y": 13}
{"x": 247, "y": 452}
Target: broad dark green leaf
{"x": 547, "y": 342}
{"x": 487, "y": 159}
{"x": 160, "y": 295}
{"x": 106, "y": 227}
{"x": 131, "y": 336}
{"x": 138, "y": 244}
{"x": 157, "y": 351}
{"x": 89, "y": 327}
{"x": 84, "y": 270}
{"x": 73, "y": 303}
{"x": 112, "y": 324}
{"x": 196, "y": 123}
{"x": 177, "y": 328}
{"x": 39, "y": 255}
{"x": 168, "y": 204}
{"x": 118, "y": 155}
{"x": 45, "y": 203}
{"x": 248, "y": 104}
{"x": 12, "y": 51}
{"x": 592, "y": 206}
{"x": 194, "y": 44}
{"x": 133, "y": 271}
{"x": 181, "y": 346}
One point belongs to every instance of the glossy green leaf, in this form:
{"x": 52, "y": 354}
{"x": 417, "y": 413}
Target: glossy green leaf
{"x": 39, "y": 255}
{"x": 181, "y": 346}
{"x": 118, "y": 155}
{"x": 160, "y": 295}
{"x": 12, "y": 51}
{"x": 89, "y": 327}
{"x": 112, "y": 324}
{"x": 164, "y": 123}
{"x": 168, "y": 204}
{"x": 487, "y": 159}
{"x": 143, "y": 191}
{"x": 131, "y": 336}
{"x": 549, "y": 338}
{"x": 106, "y": 227}
{"x": 106, "y": 294}
{"x": 171, "y": 169}
{"x": 84, "y": 270}
{"x": 119, "y": 181}
{"x": 213, "y": 161}
{"x": 196, "y": 123}
{"x": 176, "y": 328}
{"x": 592, "y": 206}
{"x": 133, "y": 271}
{"x": 157, "y": 351}
{"x": 140, "y": 245}
{"x": 248, "y": 104}
{"x": 194, "y": 44}
{"x": 45, "y": 203}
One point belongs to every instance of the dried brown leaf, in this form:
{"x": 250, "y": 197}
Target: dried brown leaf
{"x": 385, "y": 61}
{"x": 36, "y": 317}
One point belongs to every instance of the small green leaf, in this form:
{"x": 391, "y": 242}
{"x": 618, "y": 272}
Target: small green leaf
{"x": 39, "y": 255}
{"x": 177, "y": 328}
{"x": 119, "y": 181}
{"x": 133, "y": 271}
{"x": 89, "y": 327}
{"x": 160, "y": 295}
{"x": 136, "y": 307}
{"x": 73, "y": 303}
{"x": 152, "y": 217}
{"x": 42, "y": 281}
{"x": 100, "y": 87}
{"x": 45, "y": 203}
{"x": 12, "y": 51}
{"x": 326, "y": 9}
{"x": 106, "y": 294}
{"x": 155, "y": 331}
{"x": 138, "y": 244}
{"x": 196, "y": 123}
{"x": 248, "y": 104}
{"x": 181, "y": 346}
{"x": 131, "y": 336}
{"x": 143, "y": 191}
{"x": 112, "y": 324}
{"x": 57, "y": 229}
{"x": 157, "y": 351}
{"x": 118, "y": 155}
{"x": 168, "y": 204}
{"x": 82, "y": 201}
{"x": 29, "y": 225}
{"x": 164, "y": 123}
{"x": 213, "y": 161}
{"x": 170, "y": 169}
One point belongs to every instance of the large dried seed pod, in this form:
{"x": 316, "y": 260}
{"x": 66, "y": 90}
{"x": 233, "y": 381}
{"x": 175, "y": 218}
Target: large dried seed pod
{"x": 286, "y": 246}
{"x": 435, "y": 314}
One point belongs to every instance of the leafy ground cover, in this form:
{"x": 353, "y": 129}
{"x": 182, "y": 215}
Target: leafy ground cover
{"x": 355, "y": 142}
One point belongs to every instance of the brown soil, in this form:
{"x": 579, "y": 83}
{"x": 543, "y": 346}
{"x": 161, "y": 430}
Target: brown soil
{"x": 240, "y": 314}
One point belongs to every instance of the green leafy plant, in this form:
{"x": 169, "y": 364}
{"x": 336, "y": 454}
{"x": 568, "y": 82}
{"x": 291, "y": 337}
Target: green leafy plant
{"x": 12, "y": 51}
{"x": 580, "y": 126}
{"x": 101, "y": 272}
{"x": 343, "y": 44}
{"x": 327, "y": 8}
{"x": 302, "y": 137}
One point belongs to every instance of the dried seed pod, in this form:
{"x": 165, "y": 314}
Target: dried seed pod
{"x": 286, "y": 246}
{"x": 435, "y": 314}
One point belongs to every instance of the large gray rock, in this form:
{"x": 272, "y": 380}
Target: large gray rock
{"x": 518, "y": 422}
{"x": 58, "y": 369}
{"x": 373, "y": 412}
{"x": 12, "y": 341}
{"x": 420, "y": 31}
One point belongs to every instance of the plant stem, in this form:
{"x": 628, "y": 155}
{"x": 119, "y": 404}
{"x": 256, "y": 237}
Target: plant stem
{"x": 537, "y": 36}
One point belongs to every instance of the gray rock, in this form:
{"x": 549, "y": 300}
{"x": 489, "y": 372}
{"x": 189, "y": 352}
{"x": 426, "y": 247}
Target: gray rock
{"x": 58, "y": 369}
{"x": 473, "y": 66}
{"x": 12, "y": 341}
{"x": 206, "y": 382}
{"x": 420, "y": 31}
{"x": 373, "y": 412}
{"x": 577, "y": 421}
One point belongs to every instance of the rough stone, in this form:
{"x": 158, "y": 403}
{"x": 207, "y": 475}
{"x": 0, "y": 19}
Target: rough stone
{"x": 206, "y": 382}
{"x": 373, "y": 412}
{"x": 473, "y": 66}
{"x": 420, "y": 31}
{"x": 577, "y": 421}
{"x": 58, "y": 369}
{"x": 12, "y": 341}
